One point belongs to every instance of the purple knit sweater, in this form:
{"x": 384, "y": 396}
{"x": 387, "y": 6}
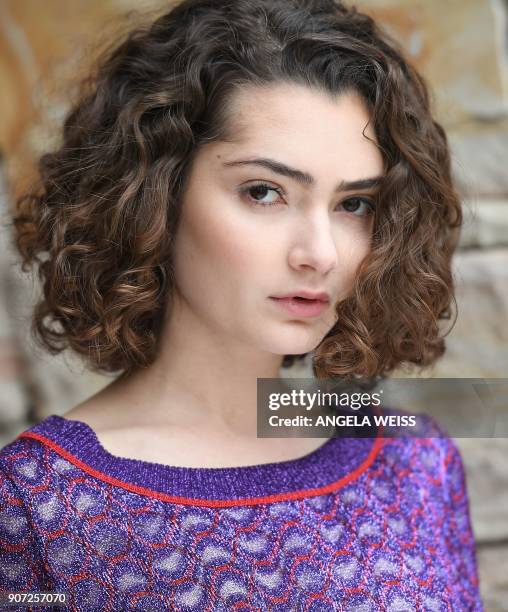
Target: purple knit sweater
{"x": 359, "y": 524}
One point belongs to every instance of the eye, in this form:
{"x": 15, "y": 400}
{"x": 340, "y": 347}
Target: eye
{"x": 256, "y": 194}
{"x": 353, "y": 205}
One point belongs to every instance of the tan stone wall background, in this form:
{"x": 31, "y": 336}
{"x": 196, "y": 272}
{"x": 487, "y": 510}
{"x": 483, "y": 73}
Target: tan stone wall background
{"x": 461, "y": 48}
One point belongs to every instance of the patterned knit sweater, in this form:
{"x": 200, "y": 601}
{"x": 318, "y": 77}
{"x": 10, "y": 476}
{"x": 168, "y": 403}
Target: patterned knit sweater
{"x": 359, "y": 524}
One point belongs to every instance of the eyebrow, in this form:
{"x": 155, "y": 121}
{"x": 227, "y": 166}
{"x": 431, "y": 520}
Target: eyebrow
{"x": 305, "y": 178}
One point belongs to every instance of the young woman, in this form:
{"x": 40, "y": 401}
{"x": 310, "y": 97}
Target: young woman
{"x": 222, "y": 164}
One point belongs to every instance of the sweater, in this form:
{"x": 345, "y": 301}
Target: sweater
{"x": 360, "y": 524}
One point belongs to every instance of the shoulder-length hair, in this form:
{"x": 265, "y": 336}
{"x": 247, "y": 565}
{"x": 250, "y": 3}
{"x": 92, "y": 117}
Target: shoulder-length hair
{"x": 100, "y": 224}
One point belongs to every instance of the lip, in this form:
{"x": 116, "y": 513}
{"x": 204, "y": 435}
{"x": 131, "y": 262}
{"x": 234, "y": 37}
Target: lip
{"x": 310, "y": 308}
{"x": 310, "y": 295}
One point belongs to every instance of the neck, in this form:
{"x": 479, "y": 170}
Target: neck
{"x": 201, "y": 380}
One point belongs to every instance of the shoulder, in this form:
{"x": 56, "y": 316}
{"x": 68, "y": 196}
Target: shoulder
{"x": 108, "y": 412}
{"x": 431, "y": 457}
{"x": 22, "y": 460}
{"x": 31, "y": 465}
{"x": 19, "y": 461}
{"x": 26, "y": 487}
{"x": 21, "y": 469}
{"x": 98, "y": 413}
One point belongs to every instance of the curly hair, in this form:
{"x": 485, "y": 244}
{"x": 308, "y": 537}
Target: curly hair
{"x": 101, "y": 220}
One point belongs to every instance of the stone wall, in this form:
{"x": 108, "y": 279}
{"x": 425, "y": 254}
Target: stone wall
{"x": 460, "y": 46}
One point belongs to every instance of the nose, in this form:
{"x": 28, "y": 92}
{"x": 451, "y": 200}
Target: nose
{"x": 314, "y": 246}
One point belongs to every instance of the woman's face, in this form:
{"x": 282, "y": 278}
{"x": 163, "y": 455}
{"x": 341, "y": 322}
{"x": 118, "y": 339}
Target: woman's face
{"x": 240, "y": 243}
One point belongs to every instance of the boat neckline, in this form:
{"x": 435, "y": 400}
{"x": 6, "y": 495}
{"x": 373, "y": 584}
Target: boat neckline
{"x": 337, "y": 459}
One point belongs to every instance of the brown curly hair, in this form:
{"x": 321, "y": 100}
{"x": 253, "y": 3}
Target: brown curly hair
{"x": 101, "y": 222}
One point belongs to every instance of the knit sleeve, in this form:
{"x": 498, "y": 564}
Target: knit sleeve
{"x": 458, "y": 532}
{"x": 21, "y": 567}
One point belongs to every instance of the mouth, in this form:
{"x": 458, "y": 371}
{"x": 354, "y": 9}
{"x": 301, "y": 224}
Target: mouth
{"x": 303, "y": 299}
{"x": 301, "y": 306}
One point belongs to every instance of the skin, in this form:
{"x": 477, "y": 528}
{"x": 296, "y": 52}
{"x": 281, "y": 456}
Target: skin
{"x": 196, "y": 405}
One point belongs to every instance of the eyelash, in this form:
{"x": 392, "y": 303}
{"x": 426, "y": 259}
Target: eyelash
{"x": 244, "y": 191}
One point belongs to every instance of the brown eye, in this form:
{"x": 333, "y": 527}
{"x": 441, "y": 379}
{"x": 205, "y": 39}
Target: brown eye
{"x": 353, "y": 205}
{"x": 257, "y": 194}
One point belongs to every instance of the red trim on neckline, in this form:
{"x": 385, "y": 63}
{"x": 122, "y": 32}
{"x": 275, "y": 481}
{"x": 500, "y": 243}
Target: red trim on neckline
{"x": 213, "y": 503}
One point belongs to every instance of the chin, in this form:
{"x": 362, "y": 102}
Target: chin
{"x": 293, "y": 348}
{"x": 288, "y": 338}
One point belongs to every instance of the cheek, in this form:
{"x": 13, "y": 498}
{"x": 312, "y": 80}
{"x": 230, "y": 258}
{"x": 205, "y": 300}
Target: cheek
{"x": 221, "y": 246}
{"x": 351, "y": 254}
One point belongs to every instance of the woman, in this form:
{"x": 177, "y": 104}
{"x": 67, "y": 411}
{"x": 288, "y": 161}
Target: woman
{"x": 241, "y": 184}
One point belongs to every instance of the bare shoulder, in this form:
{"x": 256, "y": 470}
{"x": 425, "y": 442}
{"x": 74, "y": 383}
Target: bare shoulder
{"x": 125, "y": 430}
{"x": 115, "y": 432}
{"x": 90, "y": 412}
{"x": 105, "y": 411}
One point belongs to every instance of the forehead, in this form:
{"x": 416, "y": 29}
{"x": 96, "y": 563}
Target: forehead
{"x": 298, "y": 124}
